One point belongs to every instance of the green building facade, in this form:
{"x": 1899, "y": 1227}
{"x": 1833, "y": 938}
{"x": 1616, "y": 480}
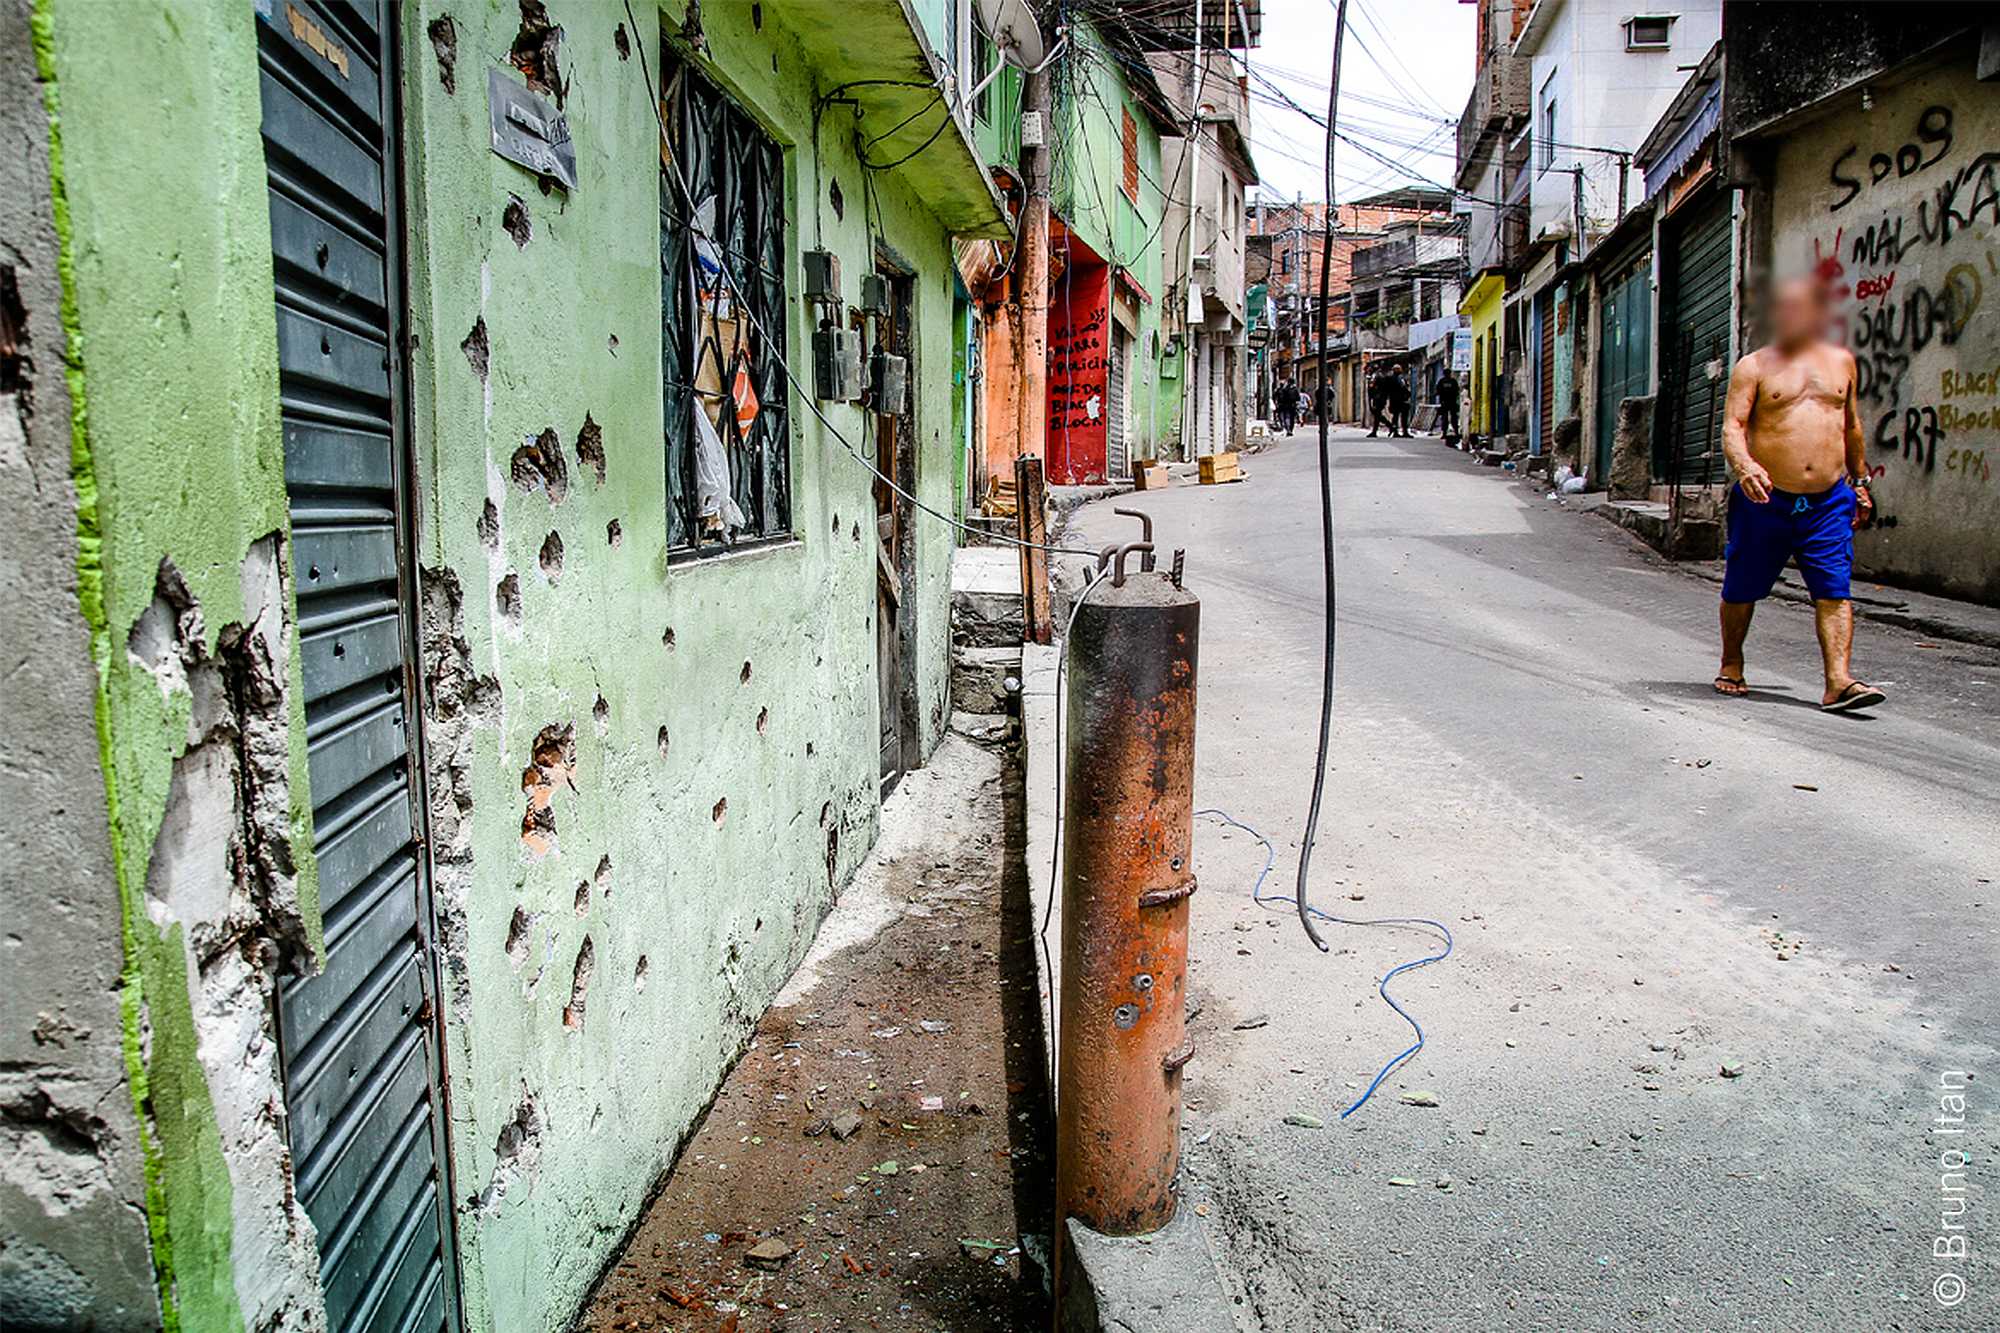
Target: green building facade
{"x": 406, "y": 534}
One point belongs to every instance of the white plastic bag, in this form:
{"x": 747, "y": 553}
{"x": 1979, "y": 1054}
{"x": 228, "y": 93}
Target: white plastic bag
{"x": 711, "y": 479}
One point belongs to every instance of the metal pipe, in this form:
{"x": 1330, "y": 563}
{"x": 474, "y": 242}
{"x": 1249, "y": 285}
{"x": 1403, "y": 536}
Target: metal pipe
{"x": 1127, "y": 876}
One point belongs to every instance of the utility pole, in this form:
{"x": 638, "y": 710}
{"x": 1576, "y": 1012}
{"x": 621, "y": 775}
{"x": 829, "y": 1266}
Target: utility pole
{"x": 1032, "y": 262}
{"x": 1190, "y": 389}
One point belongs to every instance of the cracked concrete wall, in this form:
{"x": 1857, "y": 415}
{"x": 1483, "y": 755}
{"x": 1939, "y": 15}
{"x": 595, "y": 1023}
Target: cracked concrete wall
{"x": 73, "y": 1239}
{"x": 646, "y": 780}
{"x": 177, "y": 581}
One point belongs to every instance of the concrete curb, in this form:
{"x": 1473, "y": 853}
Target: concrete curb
{"x": 1162, "y": 1283}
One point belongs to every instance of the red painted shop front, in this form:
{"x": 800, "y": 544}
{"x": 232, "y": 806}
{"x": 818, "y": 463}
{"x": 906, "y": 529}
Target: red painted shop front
{"x": 1079, "y": 355}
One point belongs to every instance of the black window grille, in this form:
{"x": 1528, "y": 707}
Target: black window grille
{"x": 722, "y": 305}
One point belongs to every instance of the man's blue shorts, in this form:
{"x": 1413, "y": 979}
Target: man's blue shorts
{"x": 1817, "y": 530}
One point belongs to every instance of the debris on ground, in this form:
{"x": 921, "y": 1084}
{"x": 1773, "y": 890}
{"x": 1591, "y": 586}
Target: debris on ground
{"x": 828, "y": 1188}
{"x": 1422, "y": 1097}
{"x": 1304, "y": 1121}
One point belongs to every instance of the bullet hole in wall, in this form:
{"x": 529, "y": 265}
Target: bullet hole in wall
{"x": 663, "y": 742}
{"x": 507, "y": 598}
{"x": 538, "y": 465}
{"x": 774, "y": 62}
{"x": 601, "y": 877}
{"x": 839, "y": 202}
{"x": 836, "y": 525}
{"x": 514, "y": 220}
{"x": 621, "y": 42}
{"x": 721, "y": 810}
{"x": 763, "y": 720}
{"x": 614, "y": 532}
{"x": 551, "y": 557}
{"x": 579, "y": 986}
{"x": 590, "y": 447}
{"x": 444, "y": 42}
{"x": 757, "y": 17}
{"x": 489, "y": 525}
{"x": 518, "y": 932}
{"x": 639, "y": 974}
{"x": 583, "y": 897}
{"x": 516, "y": 1153}
{"x": 611, "y": 344}
{"x": 600, "y": 713}
{"x": 745, "y": 677}
{"x": 857, "y": 534}
{"x": 534, "y": 52}
{"x": 551, "y": 764}
{"x": 809, "y": 749}
{"x": 477, "y": 352}
{"x": 667, "y": 639}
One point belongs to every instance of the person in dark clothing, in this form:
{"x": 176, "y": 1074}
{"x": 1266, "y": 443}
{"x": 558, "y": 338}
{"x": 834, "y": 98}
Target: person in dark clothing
{"x": 1447, "y": 393}
{"x": 1397, "y": 395}
{"x": 1322, "y": 403}
{"x": 1378, "y": 404}
{"x": 1287, "y": 402}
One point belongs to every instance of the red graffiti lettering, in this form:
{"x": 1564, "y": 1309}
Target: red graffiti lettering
{"x": 1869, "y": 288}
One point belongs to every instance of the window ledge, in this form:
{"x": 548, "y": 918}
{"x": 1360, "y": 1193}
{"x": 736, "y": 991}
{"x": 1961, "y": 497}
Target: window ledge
{"x": 737, "y": 554}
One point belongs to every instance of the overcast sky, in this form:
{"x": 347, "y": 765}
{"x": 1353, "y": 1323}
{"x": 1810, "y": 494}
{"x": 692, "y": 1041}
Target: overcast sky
{"x": 1411, "y": 60}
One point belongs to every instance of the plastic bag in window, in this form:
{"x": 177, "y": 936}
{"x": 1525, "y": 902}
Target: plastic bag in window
{"x": 719, "y": 514}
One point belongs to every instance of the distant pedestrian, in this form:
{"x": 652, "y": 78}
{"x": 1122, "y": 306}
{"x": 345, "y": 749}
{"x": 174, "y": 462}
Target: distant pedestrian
{"x": 1447, "y": 392}
{"x": 1378, "y": 404}
{"x": 1397, "y": 394}
{"x": 1287, "y": 402}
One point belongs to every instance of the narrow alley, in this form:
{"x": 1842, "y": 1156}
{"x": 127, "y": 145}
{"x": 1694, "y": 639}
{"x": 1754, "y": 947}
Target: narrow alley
{"x": 1711, "y": 955}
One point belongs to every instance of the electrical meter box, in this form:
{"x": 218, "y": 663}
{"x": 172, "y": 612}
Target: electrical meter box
{"x": 888, "y": 383}
{"x": 836, "y": 364}
{"x": 822, "y": 277}
{"x": 874, "y": 294}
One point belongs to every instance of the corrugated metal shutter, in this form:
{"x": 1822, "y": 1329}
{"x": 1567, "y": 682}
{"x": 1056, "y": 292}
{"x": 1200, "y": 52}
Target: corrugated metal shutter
{"x": 1624, "y": 360}
{"x": 1545, "y": 384}
{"x": 1117, "y": 461}
{"x": 1699, "y": 349}
{"x": 360, "y": 1065}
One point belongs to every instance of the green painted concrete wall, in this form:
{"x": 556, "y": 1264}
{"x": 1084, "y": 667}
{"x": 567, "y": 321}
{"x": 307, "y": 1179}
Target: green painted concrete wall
{"x": 171, "y": 345}
{"x": 766, "y": 697}
{"x": 1086, "y": 191}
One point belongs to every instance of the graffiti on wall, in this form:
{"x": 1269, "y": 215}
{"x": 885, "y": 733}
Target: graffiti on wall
{"x": 1911, "y": 259}
{"x": 1079, "y": 355}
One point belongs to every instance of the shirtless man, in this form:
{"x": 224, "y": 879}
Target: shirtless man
{"x": 1793, "y": 437}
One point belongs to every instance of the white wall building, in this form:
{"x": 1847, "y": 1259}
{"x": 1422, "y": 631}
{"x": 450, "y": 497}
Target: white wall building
{"x": 1601, "y": 74}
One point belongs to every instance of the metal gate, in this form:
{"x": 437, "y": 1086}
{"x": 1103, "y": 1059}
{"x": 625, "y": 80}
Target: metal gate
{"x": 1694, "y": 350}
{"x": 1624, "y": 363}
{"x": 360, "y": 1057}
{"x": 1117, "y": 464}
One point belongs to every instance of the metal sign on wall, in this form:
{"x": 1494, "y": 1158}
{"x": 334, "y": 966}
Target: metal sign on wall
{"x": 527, "y": 130}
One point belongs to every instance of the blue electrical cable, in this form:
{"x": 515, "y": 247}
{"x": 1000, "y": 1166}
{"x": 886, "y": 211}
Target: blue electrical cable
{"x": 1382, "y": 987}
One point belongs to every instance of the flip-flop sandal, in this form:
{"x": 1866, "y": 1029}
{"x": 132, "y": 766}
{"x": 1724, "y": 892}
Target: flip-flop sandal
{"x": 1742, "y": 687}
{"x": 1856, "y": 695}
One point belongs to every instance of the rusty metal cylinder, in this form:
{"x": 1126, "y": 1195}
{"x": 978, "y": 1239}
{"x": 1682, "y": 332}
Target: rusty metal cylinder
{"x": 1128, "y": 871}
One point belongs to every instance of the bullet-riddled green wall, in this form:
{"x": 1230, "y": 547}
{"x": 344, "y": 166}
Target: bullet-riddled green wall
{"x": 724, "y": 710}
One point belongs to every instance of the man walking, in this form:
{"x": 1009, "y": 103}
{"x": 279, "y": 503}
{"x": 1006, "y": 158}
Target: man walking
{"x": 1447, "y": 392}
{"x": 1378, "y": 403}
{"x": 1792, "y": 434}
{"x": 1397, "y": 393}
{"x": 1287, "y": 402}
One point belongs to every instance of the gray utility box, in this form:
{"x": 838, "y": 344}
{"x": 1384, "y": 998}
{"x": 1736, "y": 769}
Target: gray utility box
{"x": 836, "y": 364}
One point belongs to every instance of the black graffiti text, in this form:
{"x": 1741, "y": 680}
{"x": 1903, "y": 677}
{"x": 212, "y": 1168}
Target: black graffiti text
{"x": 1932, "y": 142}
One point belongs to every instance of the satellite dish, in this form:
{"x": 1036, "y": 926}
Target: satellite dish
{"x": 1015, "y": 30}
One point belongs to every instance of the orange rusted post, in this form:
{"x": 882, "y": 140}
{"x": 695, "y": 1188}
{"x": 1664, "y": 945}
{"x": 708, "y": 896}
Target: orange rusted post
{"x": 1127, "y": 877}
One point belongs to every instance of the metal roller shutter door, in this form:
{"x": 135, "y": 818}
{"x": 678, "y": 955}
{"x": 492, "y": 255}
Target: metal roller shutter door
{"x": 360, "y": 1064}
{"x": 1700, "y": 330}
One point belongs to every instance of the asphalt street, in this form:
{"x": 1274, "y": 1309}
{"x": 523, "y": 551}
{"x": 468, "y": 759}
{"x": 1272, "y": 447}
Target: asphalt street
{"x": 1646, "y": 883}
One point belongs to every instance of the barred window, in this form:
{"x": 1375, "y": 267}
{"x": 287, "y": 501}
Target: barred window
{"x": 722, "y": 322}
